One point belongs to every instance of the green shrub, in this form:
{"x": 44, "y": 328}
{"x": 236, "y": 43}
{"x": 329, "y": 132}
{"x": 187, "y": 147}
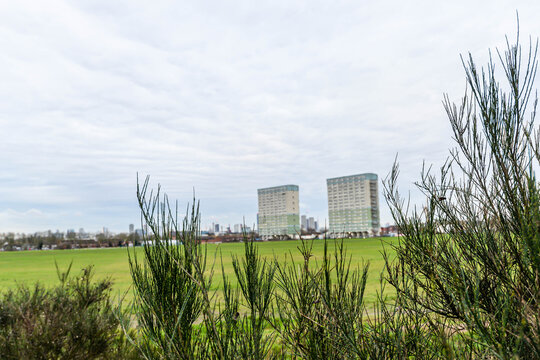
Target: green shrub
{"x": 74, "y": 320}
{"x": 178, "y": 316}
{"x": 470, "y": 258}
{"x": 466, "y": 276}
{"x": 278, "y": 310}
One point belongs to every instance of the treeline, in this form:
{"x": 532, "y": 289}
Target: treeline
{"x": 49, "y": 242}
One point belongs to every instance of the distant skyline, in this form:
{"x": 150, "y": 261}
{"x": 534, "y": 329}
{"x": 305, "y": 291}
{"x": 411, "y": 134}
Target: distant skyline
{"x": 226, "y": 98}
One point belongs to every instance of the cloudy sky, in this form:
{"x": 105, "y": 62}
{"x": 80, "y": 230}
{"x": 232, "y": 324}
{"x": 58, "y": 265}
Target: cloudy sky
{"x": 224, "y": 98}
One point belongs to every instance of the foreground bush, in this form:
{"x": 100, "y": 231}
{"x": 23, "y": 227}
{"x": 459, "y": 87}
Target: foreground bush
{"x": 73, "y": 320}
{"x": 279, "y": 309}
{"x": 466, "y": 275}
{"x": 471, "y": 256}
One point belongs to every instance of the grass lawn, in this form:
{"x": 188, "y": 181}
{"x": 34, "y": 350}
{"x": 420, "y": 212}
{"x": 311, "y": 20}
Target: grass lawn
{"x": 27, "y": 267}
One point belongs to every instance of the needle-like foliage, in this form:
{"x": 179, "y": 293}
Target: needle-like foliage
{"x": 169, "y": 299}
{"x": 465, "y": 278}
{"x": 471, "y": 256}
{"x": 255, "y": 277}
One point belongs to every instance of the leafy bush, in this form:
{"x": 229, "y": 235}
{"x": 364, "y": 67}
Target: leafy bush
{"x": 74, "y": 320}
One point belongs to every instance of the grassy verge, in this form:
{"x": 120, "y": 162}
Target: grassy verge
{"x": 31, "y": 266}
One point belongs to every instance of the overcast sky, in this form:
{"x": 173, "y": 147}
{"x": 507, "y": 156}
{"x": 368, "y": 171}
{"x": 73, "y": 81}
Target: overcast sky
{"x": 224, "y": 98}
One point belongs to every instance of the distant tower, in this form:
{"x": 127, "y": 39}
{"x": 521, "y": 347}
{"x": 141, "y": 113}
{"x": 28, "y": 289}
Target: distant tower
{"x": 303, "y": 223}
{"x": 353, "y": 205}
{"x": 279, "y": 211}
{"x": 310, "y": 224}
{"x": 131, "y": 228}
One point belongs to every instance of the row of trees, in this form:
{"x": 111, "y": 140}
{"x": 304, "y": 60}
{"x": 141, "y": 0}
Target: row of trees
{"x": 36, "y": 242}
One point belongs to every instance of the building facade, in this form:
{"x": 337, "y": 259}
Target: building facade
{"x": 353, "y": 205}
{"x": 308, "y": 223}
{"x": 311, "y": 224}
{"x": 279, "y": 211}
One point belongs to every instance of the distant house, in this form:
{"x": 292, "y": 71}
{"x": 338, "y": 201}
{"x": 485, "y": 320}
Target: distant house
{"x": 390, "y": 230}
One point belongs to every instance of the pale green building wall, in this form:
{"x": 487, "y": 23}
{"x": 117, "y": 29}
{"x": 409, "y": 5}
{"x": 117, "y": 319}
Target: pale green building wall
{"x": 279, "y": 212}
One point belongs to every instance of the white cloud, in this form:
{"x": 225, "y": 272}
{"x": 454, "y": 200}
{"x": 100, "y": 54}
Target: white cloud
{"x": 225, "y": 98}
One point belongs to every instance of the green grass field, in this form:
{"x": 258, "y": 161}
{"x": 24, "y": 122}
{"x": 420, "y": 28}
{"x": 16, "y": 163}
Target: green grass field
{"x": 27, "y": 267}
